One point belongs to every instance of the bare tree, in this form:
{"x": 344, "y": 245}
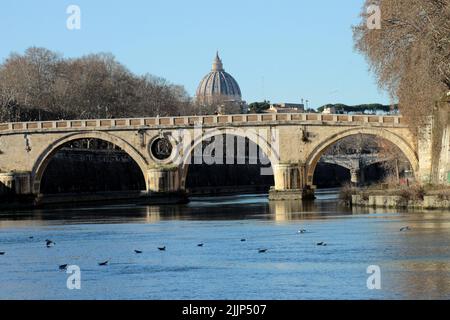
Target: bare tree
{"x": 354, "y": 144}
{"x": 396, "y": 159}
{"x": 410, "y": 54}
{"x": 41, "y": 85}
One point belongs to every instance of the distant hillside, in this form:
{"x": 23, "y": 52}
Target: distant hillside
{"x": 374, "y": 107}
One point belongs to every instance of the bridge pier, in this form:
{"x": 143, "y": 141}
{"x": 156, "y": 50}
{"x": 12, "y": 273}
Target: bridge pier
{"x": 164, "y": 179}
{"x": 357, "y": 176}
{"x": 290, "y": 183}
{"x": 15, "y": 183}
{"x": 434, "y": 145}
{"x": 15, "y": 190}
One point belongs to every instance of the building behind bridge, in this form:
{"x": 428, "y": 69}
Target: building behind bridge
{"x": 286, "y": 108}
{"x": 219, "y": 92}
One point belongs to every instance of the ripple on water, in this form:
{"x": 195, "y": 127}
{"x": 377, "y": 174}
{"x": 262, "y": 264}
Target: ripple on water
{"x": 414, "y": 264}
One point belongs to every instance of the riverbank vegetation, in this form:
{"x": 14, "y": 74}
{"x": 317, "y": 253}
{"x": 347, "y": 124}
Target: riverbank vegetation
{"x": 398, "y": 195}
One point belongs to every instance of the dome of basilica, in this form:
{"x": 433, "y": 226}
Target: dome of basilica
{"x": 218, "y": 86}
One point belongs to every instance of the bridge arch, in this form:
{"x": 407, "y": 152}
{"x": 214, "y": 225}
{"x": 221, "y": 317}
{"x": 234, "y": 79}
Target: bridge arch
{"x": 45, "y": 157}
{"x": 272, "y": 153}
{"x": 407, "y": 149}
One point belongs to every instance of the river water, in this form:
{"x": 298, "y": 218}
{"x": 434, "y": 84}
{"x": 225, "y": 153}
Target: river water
{"x": 413, "y": 264}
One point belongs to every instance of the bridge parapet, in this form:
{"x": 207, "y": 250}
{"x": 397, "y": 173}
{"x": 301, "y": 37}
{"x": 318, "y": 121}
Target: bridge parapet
{"x": 205, "y": 120}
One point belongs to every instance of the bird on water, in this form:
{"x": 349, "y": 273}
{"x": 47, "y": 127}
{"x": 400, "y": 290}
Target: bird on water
{"x": 321, "y": 243}
{"x": 200, "y": 245}
{"x": 49, "y": 243}
{"x": 63, "y": 267}
{"x": 262, "y": 250}
{"x": 407, "y": 228}
{"x": 104, "y": 263}
{"x": 162, "y": 248}
{"x": 138, "y": 251}
{"x": 2, "y": 253}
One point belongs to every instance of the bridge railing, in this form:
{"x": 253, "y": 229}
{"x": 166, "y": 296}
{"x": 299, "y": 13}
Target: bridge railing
{"x": 204, "y": 119}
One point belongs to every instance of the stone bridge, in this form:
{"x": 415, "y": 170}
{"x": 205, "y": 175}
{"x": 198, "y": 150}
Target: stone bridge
{"x": 163, "y": 146}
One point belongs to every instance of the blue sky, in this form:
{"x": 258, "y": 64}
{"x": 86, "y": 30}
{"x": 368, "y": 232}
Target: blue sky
{"x": 280, "y": 50}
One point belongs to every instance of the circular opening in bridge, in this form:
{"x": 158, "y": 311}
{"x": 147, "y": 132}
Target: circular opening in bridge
{"x": 161, "y": 148}
{"x": 236, "y": 166}
{"x": 91, "y": 165}
{"x": 360, "y": 160}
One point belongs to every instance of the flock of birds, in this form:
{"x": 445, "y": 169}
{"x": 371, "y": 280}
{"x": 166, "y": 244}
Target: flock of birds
{"x": 50, "y": 243}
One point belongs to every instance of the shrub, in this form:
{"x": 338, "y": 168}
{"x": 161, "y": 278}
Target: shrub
{"x": 345, "y": 194}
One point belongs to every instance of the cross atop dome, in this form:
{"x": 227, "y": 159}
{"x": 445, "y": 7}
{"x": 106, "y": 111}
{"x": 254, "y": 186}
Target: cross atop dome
{"x": 217, "y": 64}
